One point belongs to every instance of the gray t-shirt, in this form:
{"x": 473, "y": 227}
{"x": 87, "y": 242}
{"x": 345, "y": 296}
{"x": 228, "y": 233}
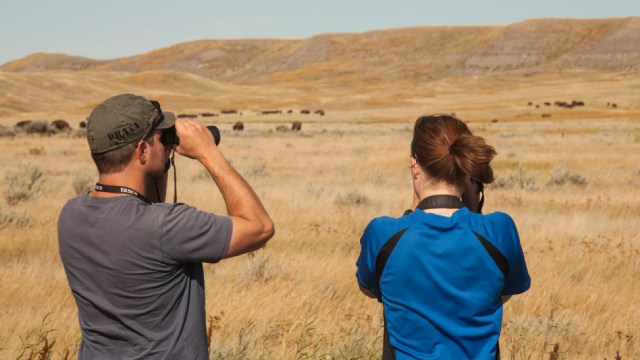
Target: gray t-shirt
{"x": 135, "y": 271}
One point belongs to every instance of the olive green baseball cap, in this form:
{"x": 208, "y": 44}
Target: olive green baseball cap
{"x": 122, "y": 120}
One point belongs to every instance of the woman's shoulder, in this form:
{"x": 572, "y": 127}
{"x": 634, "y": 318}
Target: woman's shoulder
{"x": 499, "y": 219}
{"x": 385, "y": 226}
{"x": 491, "y": 224}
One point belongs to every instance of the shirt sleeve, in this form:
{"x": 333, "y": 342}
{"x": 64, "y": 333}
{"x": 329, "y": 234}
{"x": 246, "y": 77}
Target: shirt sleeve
{"x": 366, "y": 262}
{"x": 191, "y": 235}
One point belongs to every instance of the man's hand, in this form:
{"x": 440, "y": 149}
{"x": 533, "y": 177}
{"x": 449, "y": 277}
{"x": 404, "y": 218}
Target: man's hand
{"x": 196, "y": 141}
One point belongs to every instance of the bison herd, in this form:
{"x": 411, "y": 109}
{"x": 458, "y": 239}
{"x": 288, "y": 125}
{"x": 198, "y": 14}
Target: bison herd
{"x": 563, "y": 104}
{"x": 62, "y": 126}
{"x": 36, "y": 127}
{"x": 262, "y": 112}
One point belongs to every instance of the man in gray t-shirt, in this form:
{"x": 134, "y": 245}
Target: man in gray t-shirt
{"x": 134, "y": 263}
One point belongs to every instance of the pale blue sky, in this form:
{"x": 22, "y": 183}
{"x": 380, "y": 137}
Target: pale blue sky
{"x": 118, "y": 28}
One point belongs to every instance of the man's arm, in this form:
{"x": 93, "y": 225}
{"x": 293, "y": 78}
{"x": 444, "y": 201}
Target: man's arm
{"x": 252, "y": 226}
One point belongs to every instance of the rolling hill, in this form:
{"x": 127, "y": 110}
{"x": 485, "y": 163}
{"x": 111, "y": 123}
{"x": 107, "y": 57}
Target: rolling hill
{"x": 394, "y": 60}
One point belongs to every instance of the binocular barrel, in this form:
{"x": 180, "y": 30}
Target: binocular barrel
{"x": 215, "y": 132}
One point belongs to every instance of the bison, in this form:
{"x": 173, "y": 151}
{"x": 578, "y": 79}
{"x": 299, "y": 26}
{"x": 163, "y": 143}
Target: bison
{"x": 238, "y": 126}
{"x": 23, "y": 124}
{"x": 296, "y": 126}
{"x": 60, "y": 125}
{"x": 190, "y": 116}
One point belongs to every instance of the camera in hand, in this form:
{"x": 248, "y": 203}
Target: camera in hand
{"x": 170, "y": 137}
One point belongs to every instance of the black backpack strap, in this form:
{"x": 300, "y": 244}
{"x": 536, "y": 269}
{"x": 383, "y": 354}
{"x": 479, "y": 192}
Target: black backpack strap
{"x": 495, "y": 254}
{"x": 385, "y": 252}
{"x": 388, "y": 352}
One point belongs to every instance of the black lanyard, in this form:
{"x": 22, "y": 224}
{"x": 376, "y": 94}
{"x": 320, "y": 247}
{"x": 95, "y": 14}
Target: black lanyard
{"x": 121, "y": 190}
{"x": 438, "y": 202}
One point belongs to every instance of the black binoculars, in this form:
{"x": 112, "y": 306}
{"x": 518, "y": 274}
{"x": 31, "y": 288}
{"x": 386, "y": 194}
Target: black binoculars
{"x": 170, "y": 137}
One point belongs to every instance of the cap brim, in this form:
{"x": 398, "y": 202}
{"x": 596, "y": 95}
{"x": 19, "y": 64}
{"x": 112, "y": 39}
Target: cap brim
{"x": 168, "y": 121}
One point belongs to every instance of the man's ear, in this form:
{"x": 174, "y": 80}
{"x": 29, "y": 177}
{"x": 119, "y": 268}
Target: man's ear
{"x": 142, "y": 151}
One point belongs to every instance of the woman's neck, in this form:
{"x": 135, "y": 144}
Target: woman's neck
{"x": 440, "y": 189}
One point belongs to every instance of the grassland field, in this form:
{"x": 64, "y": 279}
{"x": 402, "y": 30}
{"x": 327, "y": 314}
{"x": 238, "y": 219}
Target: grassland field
{"x": 571, "y": 182}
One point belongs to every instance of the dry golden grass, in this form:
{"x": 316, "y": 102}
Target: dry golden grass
{"x": 298, "y": 296}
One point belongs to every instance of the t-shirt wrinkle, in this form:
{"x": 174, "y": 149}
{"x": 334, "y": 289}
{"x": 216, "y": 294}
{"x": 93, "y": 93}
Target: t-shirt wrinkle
{"x": 161, "y": 238}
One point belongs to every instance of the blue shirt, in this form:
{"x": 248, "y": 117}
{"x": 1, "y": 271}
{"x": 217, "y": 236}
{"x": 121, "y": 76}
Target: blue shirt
{"x": 440, "y": 288}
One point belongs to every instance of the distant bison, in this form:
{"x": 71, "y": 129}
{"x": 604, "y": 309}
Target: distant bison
{"x": 60, "y": 125}
{"x": 190, "y": 116}
{"x": 269, "y": 112}
{"x": 546, "y": 115}
{"x": 37, "y": 127}
{"x": 296, "y": 126}
{"x": 305, "y": 111}
{"x": 23, "y": 124}
{"x": 238, "y": 126}
{"x": 228, "y": 111}
{"x": 319, "y": 112}
{"x": 83, "y": 124}
{"x": 206, "y": 114}
{"x": 494, "y": 120}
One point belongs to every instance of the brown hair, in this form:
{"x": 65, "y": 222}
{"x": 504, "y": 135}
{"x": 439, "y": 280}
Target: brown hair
{"x": 116, "y": 160}
{"x": 447, "y": 150}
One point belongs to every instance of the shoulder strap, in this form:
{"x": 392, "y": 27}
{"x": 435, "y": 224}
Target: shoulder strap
{"x": 497, "y": 256}
{"x": 385, "y": 251}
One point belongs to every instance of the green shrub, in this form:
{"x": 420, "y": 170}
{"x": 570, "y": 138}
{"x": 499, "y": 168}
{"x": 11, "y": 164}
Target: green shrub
{"x": 353, "y": 197}
{"x": 82, "y": 183}
{"x": 258, "y": 170}
{"x": 520, "y": 179}
{"x": 8, "y": 219}
{"x": 562, "y": 176}
{"x": 23, "y": 183}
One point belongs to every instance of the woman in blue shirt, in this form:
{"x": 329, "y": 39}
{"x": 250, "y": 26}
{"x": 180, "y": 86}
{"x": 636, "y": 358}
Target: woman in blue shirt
{"x": 443, "y": 271}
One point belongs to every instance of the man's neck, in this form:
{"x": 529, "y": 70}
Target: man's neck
{"x": 122, "y": 179}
